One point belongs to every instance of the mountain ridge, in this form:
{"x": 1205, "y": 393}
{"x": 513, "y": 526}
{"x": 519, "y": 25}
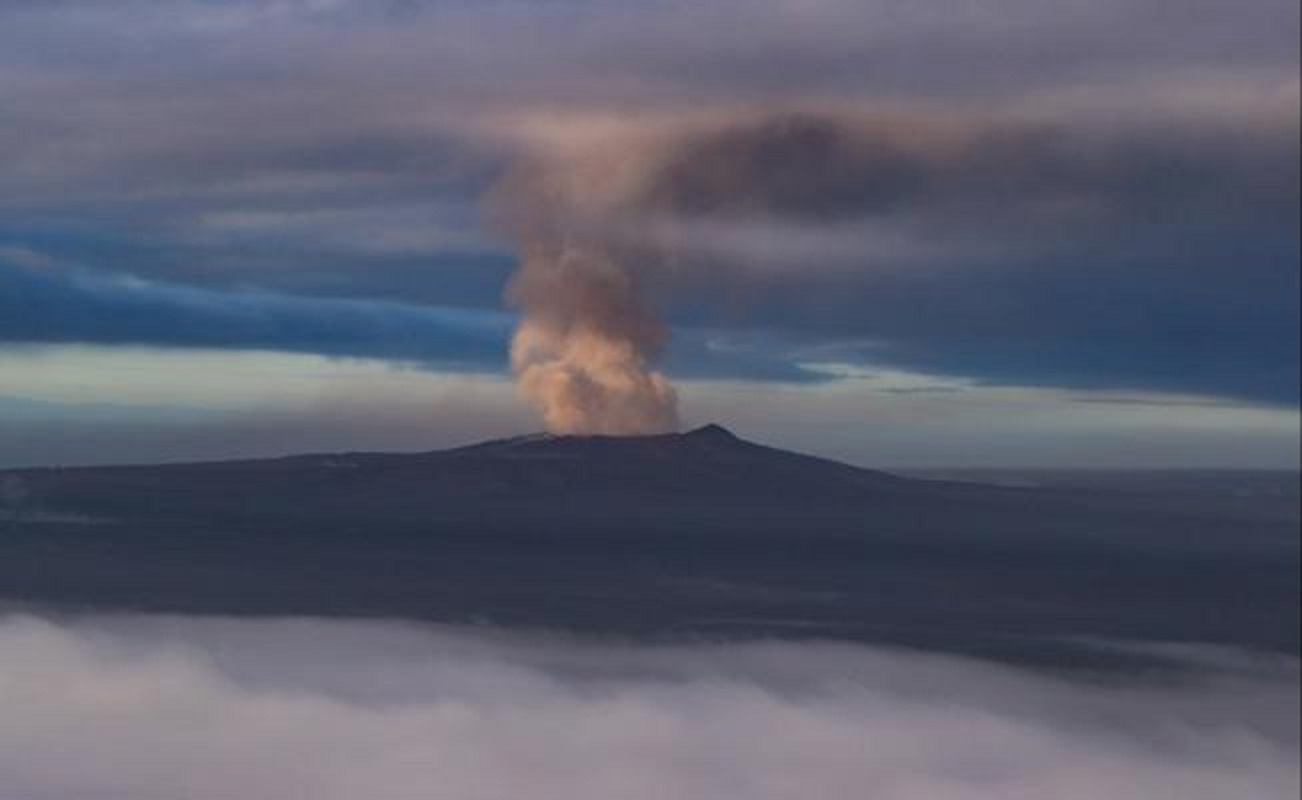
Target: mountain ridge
{"x": 685, "y": 534}
{"x": 710, "y": 454}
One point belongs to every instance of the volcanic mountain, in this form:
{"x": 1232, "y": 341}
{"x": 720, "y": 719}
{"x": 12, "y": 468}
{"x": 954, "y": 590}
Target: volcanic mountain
{"x": 519, "y": 486}
{"x": 699, "y": 533}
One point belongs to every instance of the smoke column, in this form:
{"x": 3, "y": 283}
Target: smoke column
{"x": 587, "y": 342}
{"x": 589, "y": 338}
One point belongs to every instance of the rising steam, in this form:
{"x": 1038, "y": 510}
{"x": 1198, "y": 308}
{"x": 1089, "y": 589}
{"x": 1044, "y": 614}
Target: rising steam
{"x": 587, "y": 342}
{"x": 589, "y": 338}
{"x": 598, "y": 221}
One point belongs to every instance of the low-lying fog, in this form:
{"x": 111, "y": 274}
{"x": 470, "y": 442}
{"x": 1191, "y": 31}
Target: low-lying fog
{"x": 168, "y": 708}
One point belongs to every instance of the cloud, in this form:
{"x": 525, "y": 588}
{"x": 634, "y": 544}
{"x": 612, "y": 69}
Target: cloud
{"x": 47, "y": 302}
{"x": 210, "y": 708}
{"x": 112, "y": 404}
{"x": 1009, "y": 251}
{"x": 86, "y": 306}
{"x": 1095, "y": 195}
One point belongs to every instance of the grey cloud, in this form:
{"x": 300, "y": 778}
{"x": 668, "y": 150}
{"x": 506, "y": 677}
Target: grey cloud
{"x": 801, "y": 166}
{"x": 80, "y": 306}
{"x": 849, "y": 46}
{"x": 208, "y": 708}
{"x": 145, "y": 91}
{"x": 1116, "y": 205}
{"x": 1007, "y": 251}
{"x": 830, "y": 167}
{"x": 45, "y": 301}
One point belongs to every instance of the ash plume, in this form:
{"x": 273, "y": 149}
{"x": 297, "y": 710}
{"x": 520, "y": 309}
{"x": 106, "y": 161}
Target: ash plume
{"x": 585, "y": 348}
{"x": 599, "y": 224}
{"x": 589, "y": 338}
{"x": 731, "y": 206}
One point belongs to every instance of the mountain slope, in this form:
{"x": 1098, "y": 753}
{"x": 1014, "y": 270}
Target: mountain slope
{"x": 700, "y": 533}
{"x": 579, "y": 480}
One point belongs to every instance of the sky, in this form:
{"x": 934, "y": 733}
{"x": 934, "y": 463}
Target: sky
{"x": 1003, "y": 233}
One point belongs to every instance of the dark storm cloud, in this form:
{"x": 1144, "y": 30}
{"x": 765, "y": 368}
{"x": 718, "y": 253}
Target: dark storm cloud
{"x": 1082, "y": 194}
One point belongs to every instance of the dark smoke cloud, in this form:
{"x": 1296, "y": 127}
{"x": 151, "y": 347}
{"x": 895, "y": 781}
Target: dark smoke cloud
{"x": 828, "y": 167}
{"x": 806, "y": 167}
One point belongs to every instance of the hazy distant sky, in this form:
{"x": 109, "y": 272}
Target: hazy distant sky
{"x": 239, "y": 226}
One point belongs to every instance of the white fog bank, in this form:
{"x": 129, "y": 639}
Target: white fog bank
{"x": 177, "y": 708}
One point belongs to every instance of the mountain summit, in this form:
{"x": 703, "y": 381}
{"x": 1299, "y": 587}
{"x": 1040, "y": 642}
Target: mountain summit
{"x": 712, "y": 431}
{"x": 628, "y": 444}
{"x": 703, "y": 464}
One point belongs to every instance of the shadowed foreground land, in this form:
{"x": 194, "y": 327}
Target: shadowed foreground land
{"x": 698, "y": 534}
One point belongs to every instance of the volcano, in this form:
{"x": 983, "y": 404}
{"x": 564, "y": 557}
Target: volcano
{"x": 698, "y": 533}
{"x": 540, "y": 484}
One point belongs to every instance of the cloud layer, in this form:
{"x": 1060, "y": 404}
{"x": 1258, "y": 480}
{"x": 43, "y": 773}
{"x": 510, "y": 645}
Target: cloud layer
{"x": 1006, "y": 250}
{"x": 207, "y": 708}
{"x": 1085, "y": 195}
